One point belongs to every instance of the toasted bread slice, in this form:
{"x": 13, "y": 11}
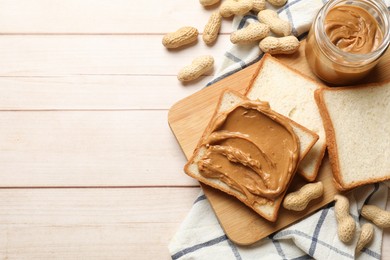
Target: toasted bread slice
{"x": 357, "y": 124}
{"x": 268, "y": 209}
{"x": 291, "y": 94}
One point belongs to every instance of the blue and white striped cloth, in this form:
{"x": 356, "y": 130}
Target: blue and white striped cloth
{"x": 201, "y": 237}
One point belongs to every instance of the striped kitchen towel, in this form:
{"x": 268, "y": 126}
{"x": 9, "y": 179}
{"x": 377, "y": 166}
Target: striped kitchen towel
{"x": 201, "y": 237}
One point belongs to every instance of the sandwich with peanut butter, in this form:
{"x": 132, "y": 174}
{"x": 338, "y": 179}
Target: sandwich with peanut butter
{"x": 291, "y": 94}
{"x": 250, "y": 152}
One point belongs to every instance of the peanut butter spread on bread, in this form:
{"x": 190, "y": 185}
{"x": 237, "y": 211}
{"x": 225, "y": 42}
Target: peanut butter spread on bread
{"x": 251, "y": 149}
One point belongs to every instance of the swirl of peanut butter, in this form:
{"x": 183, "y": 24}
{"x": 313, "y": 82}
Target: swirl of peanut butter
{"x": 352, "y": 29}
{"x": 251, "y": 149}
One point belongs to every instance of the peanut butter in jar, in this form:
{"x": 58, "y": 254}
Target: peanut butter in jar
{"x": 347, "y": 39}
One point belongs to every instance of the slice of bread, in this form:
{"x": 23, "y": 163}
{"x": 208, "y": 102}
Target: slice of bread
{"x": 267, "y": 209}
{"x": 357, "y": 124}
{"x": 291, "y": 94}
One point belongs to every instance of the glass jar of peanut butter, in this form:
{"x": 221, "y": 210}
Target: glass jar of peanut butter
{"x": 347, "y": 39}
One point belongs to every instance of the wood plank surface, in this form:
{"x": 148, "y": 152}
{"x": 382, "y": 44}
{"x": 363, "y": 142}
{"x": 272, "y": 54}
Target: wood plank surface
{"x": 101, "y": 16}
{"x": 71, "y": 73}
{"x": 137, "y": 92}
{"x": 89, "y": 148}
{"x": 90, "y": 223}
{"x": 63, "y": 55}
{"x": 79, "y": 67}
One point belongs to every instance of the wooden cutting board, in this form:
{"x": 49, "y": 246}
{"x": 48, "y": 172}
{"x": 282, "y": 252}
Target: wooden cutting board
{"x": 189, "y": 117}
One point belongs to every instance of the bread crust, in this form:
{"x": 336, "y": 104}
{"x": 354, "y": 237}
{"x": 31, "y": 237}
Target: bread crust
{"x": 277, "y": 202}
{"x": 330, "y": 140}
{"x": 250, "y": 85}
{"x": 331, "y": 136}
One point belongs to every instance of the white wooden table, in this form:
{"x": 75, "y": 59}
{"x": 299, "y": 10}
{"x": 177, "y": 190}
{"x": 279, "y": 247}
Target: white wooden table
{"x": 89, "y": 168}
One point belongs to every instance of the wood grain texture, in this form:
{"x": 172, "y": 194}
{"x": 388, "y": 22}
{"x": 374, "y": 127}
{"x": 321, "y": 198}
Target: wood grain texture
{"x": 188, "y": 119}
{"x": 102, "y": 16}
{"x": 60, "y": 55}
{"x": 89, "y": 148}
{"x": 90, "y": 223}
{"x": 94, "y": 55}
{"x": 143, "y": 92}
{"x": 78, "y": 67}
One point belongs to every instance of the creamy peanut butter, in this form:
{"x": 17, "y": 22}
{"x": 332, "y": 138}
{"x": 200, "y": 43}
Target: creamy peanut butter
{"x": 251, "y": 149}
{"x": 356, "y": 34}
{"x": 352, "y": 29}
